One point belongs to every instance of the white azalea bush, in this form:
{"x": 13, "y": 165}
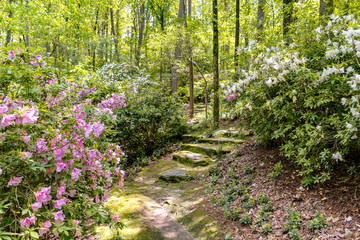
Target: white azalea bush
{"x": 306, "y": 97}
{"x": 56, "y": 163}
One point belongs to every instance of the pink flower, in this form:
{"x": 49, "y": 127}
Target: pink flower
{"x": 3, "y": 109}
{"x": 41, "y": 145}
{"x": 72, "y": 193}
{"x": 88, "y": 129}
{"x": 7, "y": 120}
{"x": 0, "y": 171}
{"x": 59, "y": 203}
{"x": 25, "y": 223}
{"x": 98, "y": 128}
{"x": 26, "y": 139}
{"x": 61, "y": 191}
{"x": 32, "y": 219}
{"x": 106, "y": 197}
{"x": 36, "y": 205}
{"x": 11, "y": 55}
{"x": 43, "y": 196}
{"x": 45, "y": 227}
{"x": 59, "y": 216}
{"x": 78, "y": 232}
{"x": 38, "y": 57}
{"x": 116, "y": 218}
{"x": 15, "y": 181}
{"x": 61, "y": 166}
{"x": 75, "y": 174}
{"x": 97, "y": 199}
{"x": 47, "y": 224}
{"x": 30, "y": 116}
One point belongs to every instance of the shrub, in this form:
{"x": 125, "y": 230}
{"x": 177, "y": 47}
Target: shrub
{"x": 305, "y": 97}
{"x": 318, "y": 222}
{"x": 147, "y": 123}
{"x": 56, "y": 165}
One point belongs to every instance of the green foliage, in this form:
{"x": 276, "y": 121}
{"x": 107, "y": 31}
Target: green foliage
{"x": 304, "y": 96}
{"x": 277, "y": 170}
{"x": 267, "y": 228}
{"x": 245, "y": 219}
{"x": 293, "y": 220}
{"x": 249, "y": 169}
{"x": 147, "y": 123}
{"x": 318, "y": 222}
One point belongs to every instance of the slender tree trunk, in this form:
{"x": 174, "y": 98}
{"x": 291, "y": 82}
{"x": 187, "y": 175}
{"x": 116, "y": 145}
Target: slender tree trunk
{"x": 325, "y": 10}
{"x": 175, "y": 74}
{"x": 114, "y": 34}
{"x": 8, "y": 30}
{"x": 260, "y": 19}
{"x": 141, "y": 33}
{"x": 237, "y": 34}
{"x": 191, "y": 67}
{"x": 216, "y": 112}
{"x": 161, "y": 48}
{"x": 287, "y": 19}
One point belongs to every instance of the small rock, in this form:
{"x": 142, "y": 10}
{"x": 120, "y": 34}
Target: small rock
{"x": 301, "y": 188}
{"x": 348, "y": 219}
{"x": 175, "y": 175}
{"x": 348, "y": 233}
{"x": 297, "y": 198}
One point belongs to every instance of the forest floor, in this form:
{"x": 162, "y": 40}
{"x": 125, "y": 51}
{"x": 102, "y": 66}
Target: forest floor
{"x": 210, "y": 206}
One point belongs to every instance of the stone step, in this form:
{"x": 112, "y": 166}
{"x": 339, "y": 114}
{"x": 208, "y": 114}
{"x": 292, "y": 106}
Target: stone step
{"x": 191, "y": 159}
{"x": 220, "y": 140}
{"x": 210, "y": 150}
{"x": 175, "y": 175}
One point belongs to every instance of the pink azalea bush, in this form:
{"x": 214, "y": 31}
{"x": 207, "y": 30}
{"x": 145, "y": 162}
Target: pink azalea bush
{"x": 56, "y": 165}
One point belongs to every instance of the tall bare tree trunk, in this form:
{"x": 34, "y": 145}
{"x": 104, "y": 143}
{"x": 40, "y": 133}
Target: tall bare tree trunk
{"x": 174, "y": 73}
{"x": 325, "y": 10}
{"x": 8, "y": 30}
{"x": 287, "y": 19}
{"x": 260, "y": 19}
{"x": 191, "y": 67}
{"x": 114, "y": 33}
{"x": 216, "y": 112}
{"x": 237, "y": 34}
{"x": 141, "y": 33}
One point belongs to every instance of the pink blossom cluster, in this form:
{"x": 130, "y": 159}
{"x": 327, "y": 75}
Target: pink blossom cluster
{"x": 69, "y": 145}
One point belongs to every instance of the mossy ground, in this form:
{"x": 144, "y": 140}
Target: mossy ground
{"x": 184, "y": 200}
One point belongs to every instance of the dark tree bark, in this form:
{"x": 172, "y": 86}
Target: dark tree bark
{"x": 114, "y": 33}
{"x": 191, "y": 68}
{"x": 260, "y": 19}
{"x": 237, "y": 34}
{"x": 174, "y": 73}
{"x": 325, "y": 10}
{"x": 8, "y": 30}
{"x": 216, "y": 113}
{"x": 141, "y": 32}
{"x": 287, "y": 19}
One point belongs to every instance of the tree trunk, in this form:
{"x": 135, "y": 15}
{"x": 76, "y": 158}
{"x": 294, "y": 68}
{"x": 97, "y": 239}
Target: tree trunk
{"x": 260, "y": 19}
{"x": 216, "y": 113}
{"x": 237, "y": 34}
{"x": 325, "y": 10}
{"x": 141, "y": 33}
{"x": 175, "y": 74}
{"x": 191, "y": 68}
{"x": 287, "y": 19}
{"x": 8, "y": 30}
{"x": 113, "y": 32}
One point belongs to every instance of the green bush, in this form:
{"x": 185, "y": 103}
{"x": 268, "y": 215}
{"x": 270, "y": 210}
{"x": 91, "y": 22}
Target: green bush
{"x": 305, "y": 97}
{"x": 148, "y": 122}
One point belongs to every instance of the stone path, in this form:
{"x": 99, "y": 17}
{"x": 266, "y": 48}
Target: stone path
{"x": 165, "y": 201}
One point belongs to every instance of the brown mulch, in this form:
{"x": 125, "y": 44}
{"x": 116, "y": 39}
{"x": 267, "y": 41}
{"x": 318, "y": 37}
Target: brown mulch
{"x": 338, "y": 199}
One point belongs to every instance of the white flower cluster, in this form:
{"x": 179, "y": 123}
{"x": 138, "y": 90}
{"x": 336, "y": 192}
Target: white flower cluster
{"x": 354, "y": 82}
{"x": 328, "y": 71}
{"x": 337, "y": 156}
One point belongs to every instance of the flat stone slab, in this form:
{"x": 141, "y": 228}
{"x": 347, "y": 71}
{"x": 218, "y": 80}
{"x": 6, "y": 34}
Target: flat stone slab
{"x": 191, "y": 158}
{"x": 175, "y": 175}
{"x": 208, "y": 149}
{"x": 220, "y": 140}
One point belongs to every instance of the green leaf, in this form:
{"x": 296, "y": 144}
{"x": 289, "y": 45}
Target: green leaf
{"x": 34, "y": 235}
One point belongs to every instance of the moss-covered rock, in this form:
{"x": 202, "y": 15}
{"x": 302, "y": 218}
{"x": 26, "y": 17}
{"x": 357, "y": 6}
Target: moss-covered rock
{"x": 175, "y": 175}
{"x": 210, "y": 150}
{"x": 191, "y": 159}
